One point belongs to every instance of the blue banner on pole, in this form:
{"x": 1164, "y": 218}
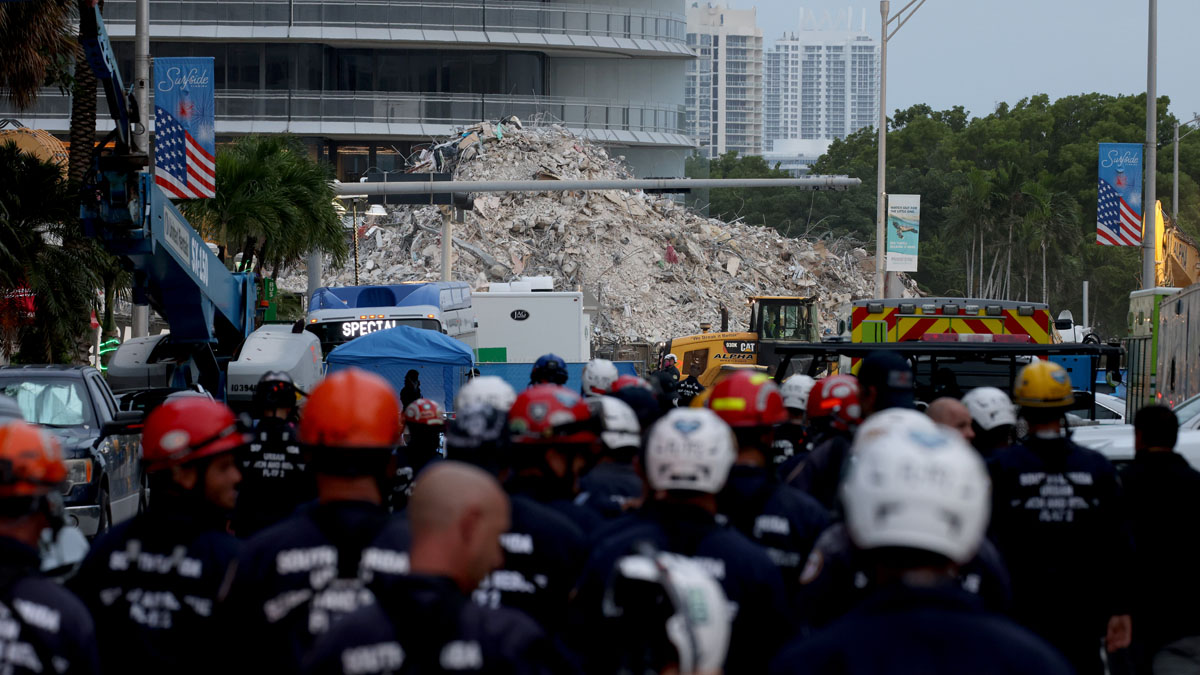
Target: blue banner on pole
{"x": 184, "y": 133}
{"x": 1119, "y": 197}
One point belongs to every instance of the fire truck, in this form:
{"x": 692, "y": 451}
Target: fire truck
{"x": 949, "y": 320}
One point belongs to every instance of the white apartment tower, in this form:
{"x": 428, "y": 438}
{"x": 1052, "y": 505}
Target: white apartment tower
{"x": 723, "y": 89}
{"x": 822, "y": 83}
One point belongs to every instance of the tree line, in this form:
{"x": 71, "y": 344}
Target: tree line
{"x": 1008, "y": 200}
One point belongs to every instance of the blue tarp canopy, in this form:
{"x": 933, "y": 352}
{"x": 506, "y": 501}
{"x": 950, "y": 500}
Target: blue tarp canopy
{"x": 441, "y": 361}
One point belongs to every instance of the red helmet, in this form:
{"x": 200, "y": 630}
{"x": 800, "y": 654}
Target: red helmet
{"x": 551, "y": 414}
{"x": 424, "y": 412}
{"x": 745, "y": 399}
{"x": 836, "y": 398}
{"x": 629, "y": 381}
{"x": 188, "y": 429}
{"x": 352, "y": 409}
{"x": 31, "y": 463}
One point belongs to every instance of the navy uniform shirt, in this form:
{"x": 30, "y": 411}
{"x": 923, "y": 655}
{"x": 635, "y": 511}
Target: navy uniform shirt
{"x": 750, "y": 580}
{"x": 151, "y": 584}
{"x": 275, "y": 477}
{"x": 43, "y": 627}
{"x": 423, "y": 624}
{"x": 295, "y": 580}
{"x": 901, "y": 630}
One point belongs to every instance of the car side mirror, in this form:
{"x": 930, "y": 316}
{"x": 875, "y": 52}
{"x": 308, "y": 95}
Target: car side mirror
{"x": 124, "y": 422}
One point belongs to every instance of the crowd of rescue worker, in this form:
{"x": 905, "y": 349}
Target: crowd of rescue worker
{"x": 636, "y": 526}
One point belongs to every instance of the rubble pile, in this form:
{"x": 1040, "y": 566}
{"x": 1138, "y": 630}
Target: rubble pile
{"x": 655, "y": 268}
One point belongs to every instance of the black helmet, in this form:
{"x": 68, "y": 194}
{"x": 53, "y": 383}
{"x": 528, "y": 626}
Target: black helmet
{"x": 478, "y": 435}
{"x": 275, "y": 390}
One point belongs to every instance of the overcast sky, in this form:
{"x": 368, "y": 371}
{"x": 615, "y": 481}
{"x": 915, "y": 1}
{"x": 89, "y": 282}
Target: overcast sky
{"x": 977, "y": 53}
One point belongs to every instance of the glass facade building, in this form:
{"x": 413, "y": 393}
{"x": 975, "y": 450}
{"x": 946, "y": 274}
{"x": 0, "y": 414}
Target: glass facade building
{"x": 363, "y": 81}
{"x": 723, "y": 92}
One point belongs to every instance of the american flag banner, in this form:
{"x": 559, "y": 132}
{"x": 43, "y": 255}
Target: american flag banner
{"x": 184, "y": 138}
{"x": 1119, "y": 195}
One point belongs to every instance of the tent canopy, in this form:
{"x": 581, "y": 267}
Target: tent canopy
{"x": 441, "y": 362}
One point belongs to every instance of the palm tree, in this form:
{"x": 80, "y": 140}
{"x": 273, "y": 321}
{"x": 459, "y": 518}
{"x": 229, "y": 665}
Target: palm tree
{"x": 42, "y": 252}
{"x": 36, "y": 47}
{"x": 274, "y": 203}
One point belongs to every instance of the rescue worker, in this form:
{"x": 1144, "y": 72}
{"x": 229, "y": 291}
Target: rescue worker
{"x": 1058, "y": 520}
{"x": 688, "y": 455}
{"x": 553, "y": 438}
{"x": 833, "y": 413}
{"x": 951, "y": 413}
{"x": 783, "y": 520}
{"x": 598, "y": 378}
{"x": 837, "y": 577}
{"x": 549, "y": 369}
{"x": 792, "y": 438}
{"x": 916, "y": 504}
{"x": 690, "y": 387}
{"x": 43, "y": 627}
{"x": 423, "y": 422}
{"x": 544, "y": 550}
{"x": 993, "y": 418}
{"x": 670, "y": 615}
{"x": 667, "y": 379}
{"x": 411, "y": 390}
{"x": 424, "y": 621}
{"x": 1160, "y": 484}
{"x": 275, "y": 476}
{"x": 613, "y": 485}
{"x": 151, "y": 582}
{"x": 299, "y": 577}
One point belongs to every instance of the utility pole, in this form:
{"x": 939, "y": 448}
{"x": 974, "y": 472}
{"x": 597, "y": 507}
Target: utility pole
{"x": 881, "y": 171}
{"x": 140, "y": 318}
{"x": 1149, "y": 264}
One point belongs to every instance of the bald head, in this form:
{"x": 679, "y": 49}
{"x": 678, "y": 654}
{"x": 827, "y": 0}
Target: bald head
{"x": 457, "y": 513}
{"x": 952, "y": 413}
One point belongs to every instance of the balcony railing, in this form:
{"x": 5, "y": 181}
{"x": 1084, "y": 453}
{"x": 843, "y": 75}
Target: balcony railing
{"x": 427, "y": 15}
{"x": 287, "y": 107}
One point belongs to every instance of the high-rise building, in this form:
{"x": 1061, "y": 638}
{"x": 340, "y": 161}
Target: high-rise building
{"x": 723, "y": 90}
{"x": 822, "y": 83}
{"x": 362, "y": 83}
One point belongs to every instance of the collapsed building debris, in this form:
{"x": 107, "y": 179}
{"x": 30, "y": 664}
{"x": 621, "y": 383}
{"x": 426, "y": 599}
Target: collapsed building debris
{"x": 655, "y": 268}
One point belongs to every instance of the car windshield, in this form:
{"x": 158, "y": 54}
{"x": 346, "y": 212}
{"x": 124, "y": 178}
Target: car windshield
{"x": 1188, "y": 410}
{"x": 52, "y": 402}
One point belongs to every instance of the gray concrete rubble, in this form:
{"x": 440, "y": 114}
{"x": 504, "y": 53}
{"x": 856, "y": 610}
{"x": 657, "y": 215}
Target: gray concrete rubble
{"x": 656, "y": 269}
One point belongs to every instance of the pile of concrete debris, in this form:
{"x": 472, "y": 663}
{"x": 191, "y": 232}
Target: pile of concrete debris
{"x": 655, "y": 268}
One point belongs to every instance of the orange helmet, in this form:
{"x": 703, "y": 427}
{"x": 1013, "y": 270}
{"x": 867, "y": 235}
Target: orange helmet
{"x": 352, "y": 409}
{"x": 425, "y": 413}
{"x": 551, "y": 414}
{"x": 188, "y": 429}
{"x": 31, "y": 463}
{"x": 744, "y": 399}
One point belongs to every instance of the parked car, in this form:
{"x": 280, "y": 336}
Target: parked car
{"x": 1115, "y": 441}
{"x": 9, "y": 410}
{"x": 101, "y": 444}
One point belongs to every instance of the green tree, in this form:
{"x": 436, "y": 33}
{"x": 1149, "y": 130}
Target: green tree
{"x": 36, "y": 47}
{"x": 42, "y": 252}
{"x": 274, "y": 203}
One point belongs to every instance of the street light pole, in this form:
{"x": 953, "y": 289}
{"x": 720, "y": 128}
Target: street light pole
{"x": 1175, "y": 174}
{"x": 881, "y": 170}
{"x": 1150, "y": 215}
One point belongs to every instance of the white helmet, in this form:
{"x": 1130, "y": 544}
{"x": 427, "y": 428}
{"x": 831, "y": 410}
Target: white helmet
{"x": 917, "y": 488}
{"x": 621, "y": 428}
{"x": 689, "y": 449}
{"x": 486, "y": 390}
{"x": 885, "y": 421}
{"x": 698, "y": 626}
{"x": 990, "y": 407}
{"x": 598, "y": 377}
{"x": 795, "y": 391}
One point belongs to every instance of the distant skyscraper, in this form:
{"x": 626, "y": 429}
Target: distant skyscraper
{"x": 821, "y": 83}
{"x": 723, "y": 91}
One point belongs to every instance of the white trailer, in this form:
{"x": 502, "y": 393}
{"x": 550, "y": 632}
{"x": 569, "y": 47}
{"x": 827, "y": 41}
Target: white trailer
{"x": 517, "y": 324}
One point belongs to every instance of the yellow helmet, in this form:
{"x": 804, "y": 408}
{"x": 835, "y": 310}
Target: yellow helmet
{"x": 1043, "y": 384}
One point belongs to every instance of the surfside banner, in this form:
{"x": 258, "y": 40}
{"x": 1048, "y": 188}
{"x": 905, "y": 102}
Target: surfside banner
{"x": 903, "y": 232}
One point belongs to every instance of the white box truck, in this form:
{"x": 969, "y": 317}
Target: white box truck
{"x": 522, "y": 320}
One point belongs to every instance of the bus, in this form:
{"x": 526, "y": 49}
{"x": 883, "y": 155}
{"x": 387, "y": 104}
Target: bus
{"x": 337, "y": 315}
